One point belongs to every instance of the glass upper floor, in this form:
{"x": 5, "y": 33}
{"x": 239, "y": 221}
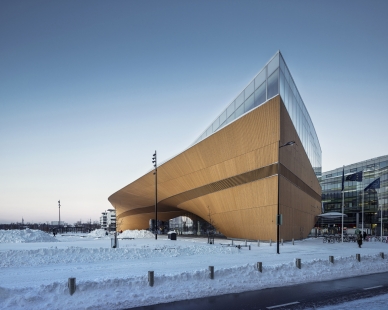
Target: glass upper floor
{"x": 272, "y": 80}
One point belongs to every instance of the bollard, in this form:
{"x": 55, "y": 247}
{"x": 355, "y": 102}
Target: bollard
{"x": 211, "y": 270}
{"x": 151, "y": 278}
{"x": 71, "y": 285}
{"x": 270, "y": 242}
{"x": 245, "y": 243}
{"x": 258, "y": 242}
{"x": 358, "y": 257}
{"x": 331, "y": 259}
{"x": 249, "y": 247}
{"x": 382, "y": 255}
{"x": 232, "y": 242}
{"x": 298, "y": 263}
{"x": 292, "y": 241}
{"x": 282, "y": 241}
{"x": 260, "y": 266}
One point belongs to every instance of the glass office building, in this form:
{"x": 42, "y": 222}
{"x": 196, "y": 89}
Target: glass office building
{"x": 272, "y": 80}
{"x": 375, "y": 201}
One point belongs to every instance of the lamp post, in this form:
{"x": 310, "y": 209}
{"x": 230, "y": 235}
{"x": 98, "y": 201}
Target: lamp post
{"x": 59, "y": 208}
{"x": 279, "y": 218}
{"x": 156, "y": 194}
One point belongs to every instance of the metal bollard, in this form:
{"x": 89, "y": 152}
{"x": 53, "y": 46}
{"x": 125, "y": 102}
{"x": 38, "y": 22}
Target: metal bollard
{"x": 72, "y": 286}
{"x": 270, "y": 242}
{"x": 211, "y": 270}
{"x": 245, "y": 243}
{"x": 331, "y": 259}
{"x": 258, "y": 242}
{"x": 298, "y": 263}
{"x": 292, "y": 241}
{"x": 249, "y": 247}
{"x": 151, "y": 278}
{"x": 260, "y": 266}
{"x": 232, "y": 242}
{"x": 282, "y": 241}
{"x": 358, "y": 257}
{"x": 382, "y": 255}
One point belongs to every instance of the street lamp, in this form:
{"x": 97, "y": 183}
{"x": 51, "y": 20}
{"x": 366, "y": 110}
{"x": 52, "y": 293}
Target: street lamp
{"x": 156, "y": 194}
{"x": 279, "y": 217}
{"x": 59, "y": 208}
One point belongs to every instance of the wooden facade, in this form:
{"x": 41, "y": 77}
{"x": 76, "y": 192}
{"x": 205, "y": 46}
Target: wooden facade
{"x": 232, "y": 179}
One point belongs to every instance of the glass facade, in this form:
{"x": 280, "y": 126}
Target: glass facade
{"x": 374, "y": 201}
{"x": 272, "y": 80}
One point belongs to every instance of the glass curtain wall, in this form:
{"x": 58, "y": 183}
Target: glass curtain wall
{"x": 375, "y": 201}
{"x": 272, "y": 80}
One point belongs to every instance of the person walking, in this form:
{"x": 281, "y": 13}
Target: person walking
{"x": 359, "y": 239}
{"x": 364, "y": 235}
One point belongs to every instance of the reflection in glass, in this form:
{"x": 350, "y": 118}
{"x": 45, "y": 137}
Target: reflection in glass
{"x": 273, "y": 65}
{"x": 239, "y": 111}
{"x": 222, "y": 117}
{"x": 216, "y": 124}
{"x": 261, "y": 77}
{"x": 249, "y": 103}
{"x": 230, "y": 109}
{"x": 230, "y": 118}
{"x": 250, "y": 89}
{"x": 273, "y": 85}
{"x": 260, "y": 95}
{"x": 281, "y": 86}
{"x": 239, "y": 100}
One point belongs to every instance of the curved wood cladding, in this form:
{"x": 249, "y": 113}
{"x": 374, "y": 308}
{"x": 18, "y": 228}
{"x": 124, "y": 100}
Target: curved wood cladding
{"x": 232, "y": 174}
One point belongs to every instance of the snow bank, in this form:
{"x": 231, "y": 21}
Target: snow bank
{"x": 98, "y": 233}
{"x": 25, "y": 236}
{"x": 73, "y": 255}
{"x": 136, "y": 234}
{"x": 128, "y": 292}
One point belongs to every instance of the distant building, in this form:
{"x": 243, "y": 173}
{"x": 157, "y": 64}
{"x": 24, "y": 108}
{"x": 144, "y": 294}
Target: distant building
{"x": 56, "y": 223}
{"x": 375, "y": 201}
{"x": 108, "y": 220}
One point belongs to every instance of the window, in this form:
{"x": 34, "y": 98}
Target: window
{"x": 239, "y": 111}
{"x": 250, "y": 89}
{"x": 260, "y": 95}
{"x": 239, "y": 100}
{"x": 230, "y": 109}
{"x": 261, "y": 77}
{"x": 273, "y": 84}
{"x": 249, "y": 103}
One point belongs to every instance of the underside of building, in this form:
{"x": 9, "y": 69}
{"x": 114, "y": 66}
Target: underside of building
{"x": 243, "y": 172}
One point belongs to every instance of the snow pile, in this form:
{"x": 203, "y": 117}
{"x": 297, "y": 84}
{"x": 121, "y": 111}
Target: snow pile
{"x": 25, "y": 236}
{"x": 133, "y": 291}
{"x": 34, "y": 276}
{"x": 98, "y": 233}
{"x": 73, "y": 255}
{"x": 136, "y": 234}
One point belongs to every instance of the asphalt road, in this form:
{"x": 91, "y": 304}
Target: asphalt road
{"x": 299, "y": 296}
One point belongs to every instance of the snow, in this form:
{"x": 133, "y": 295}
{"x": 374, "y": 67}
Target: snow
{"x": 23, "y": 236}
{"x": 35, "y": 275}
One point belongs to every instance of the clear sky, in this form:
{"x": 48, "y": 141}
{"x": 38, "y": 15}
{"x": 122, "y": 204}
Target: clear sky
{"x": 90, "y": 89}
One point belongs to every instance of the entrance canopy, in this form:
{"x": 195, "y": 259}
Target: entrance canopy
{"x": 332, "y": 215}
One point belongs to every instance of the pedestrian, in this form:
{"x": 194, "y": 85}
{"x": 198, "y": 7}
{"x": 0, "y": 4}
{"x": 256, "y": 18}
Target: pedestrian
{"x": 359, "y": 239}
{"x": 364, "y": 235}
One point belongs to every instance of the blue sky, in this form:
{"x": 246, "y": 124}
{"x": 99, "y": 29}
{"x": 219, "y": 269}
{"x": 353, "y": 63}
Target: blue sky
{"x": 89, "y": 89}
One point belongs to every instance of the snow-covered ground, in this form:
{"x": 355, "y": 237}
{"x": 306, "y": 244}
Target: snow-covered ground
{"x": 35, "y": 268}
